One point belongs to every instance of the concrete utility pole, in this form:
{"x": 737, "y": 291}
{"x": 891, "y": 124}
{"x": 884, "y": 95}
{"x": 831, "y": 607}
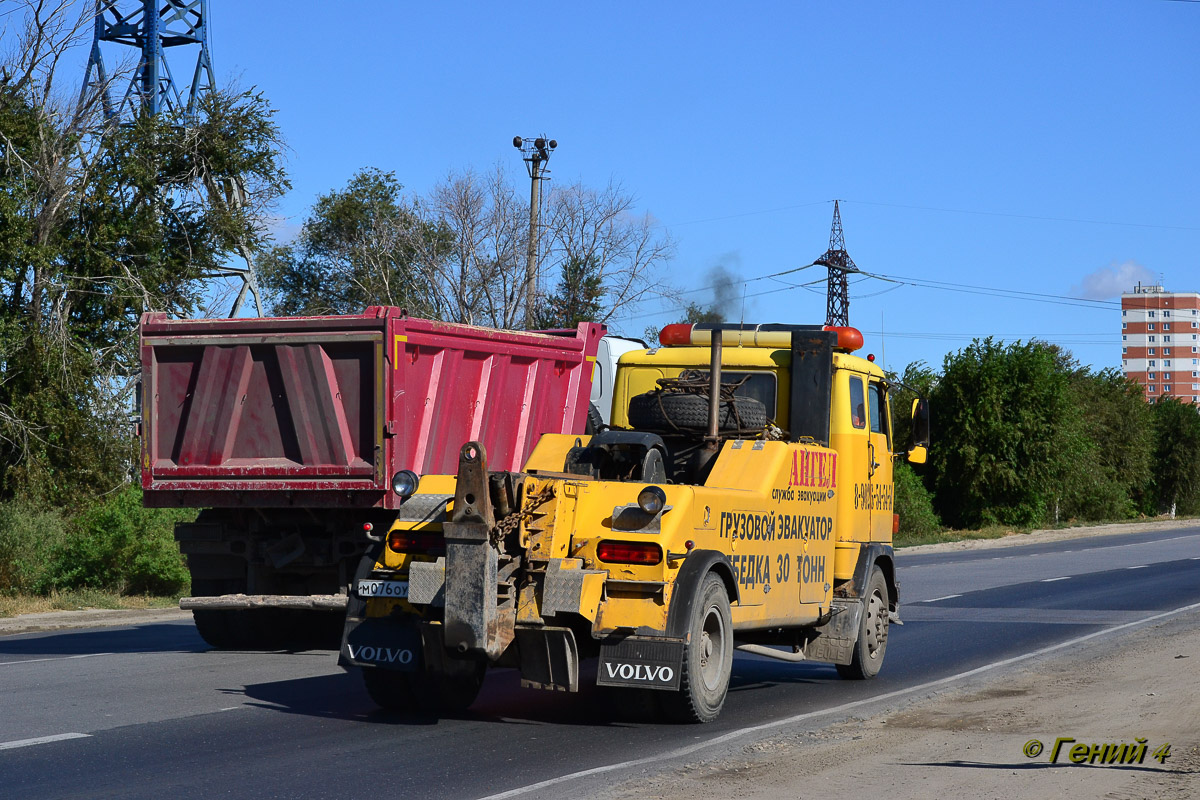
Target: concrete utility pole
{"x": 536, "y": 153}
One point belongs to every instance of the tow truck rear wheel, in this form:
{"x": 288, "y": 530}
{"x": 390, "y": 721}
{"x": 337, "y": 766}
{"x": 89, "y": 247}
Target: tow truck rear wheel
{"x": 872, "y": 632}
{"x": 429, "y": 692}
{"x": 708, "y": 660}
{"x": 389, "y": 689}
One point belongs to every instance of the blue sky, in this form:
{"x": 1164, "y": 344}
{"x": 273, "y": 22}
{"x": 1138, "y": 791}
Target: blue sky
{"x": 1044, "y": 147}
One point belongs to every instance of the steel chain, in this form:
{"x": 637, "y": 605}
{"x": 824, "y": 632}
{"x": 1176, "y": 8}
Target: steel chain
{"x": 508, "y": 524}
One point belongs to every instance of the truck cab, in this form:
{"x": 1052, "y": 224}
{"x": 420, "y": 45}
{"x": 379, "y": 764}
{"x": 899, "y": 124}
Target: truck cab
{"x": 740, "y": 499}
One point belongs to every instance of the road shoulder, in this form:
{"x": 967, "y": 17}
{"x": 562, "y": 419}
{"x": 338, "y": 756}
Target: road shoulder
{"x": 969, "y": 742}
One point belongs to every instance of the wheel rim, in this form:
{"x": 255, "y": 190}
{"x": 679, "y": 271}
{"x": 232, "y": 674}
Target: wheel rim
{"x": 712, "y": 648}
{"x": 876, "y": 632}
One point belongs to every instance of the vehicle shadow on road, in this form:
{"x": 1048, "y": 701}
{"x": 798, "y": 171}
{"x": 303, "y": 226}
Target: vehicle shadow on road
{"x": 504, "y": 702}
{"x": 152, "y": 638}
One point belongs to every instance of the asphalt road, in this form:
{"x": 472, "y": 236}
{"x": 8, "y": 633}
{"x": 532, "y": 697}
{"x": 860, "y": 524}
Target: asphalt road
{"x": 150, "y": 712}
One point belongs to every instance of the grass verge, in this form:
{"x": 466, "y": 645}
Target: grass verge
{"x": 79, "y": 600}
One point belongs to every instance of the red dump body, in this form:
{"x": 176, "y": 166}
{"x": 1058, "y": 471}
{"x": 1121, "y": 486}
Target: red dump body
{"x": 322, "y": 411}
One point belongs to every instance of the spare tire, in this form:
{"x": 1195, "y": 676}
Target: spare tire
{"x": 663, "y": 411}
{"x": 594, "y": 420}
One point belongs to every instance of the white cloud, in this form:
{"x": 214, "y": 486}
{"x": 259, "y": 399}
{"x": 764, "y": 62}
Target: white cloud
{"x": 1107, "y": 283}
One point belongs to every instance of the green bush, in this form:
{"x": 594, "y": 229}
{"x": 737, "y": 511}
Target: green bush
{"x": 114, "y": 545}
{"x": 914, "y": 503}
{"x": 29, "y": 540}
{"x": 117, "y": 546}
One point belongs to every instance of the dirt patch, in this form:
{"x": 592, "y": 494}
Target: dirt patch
{"x": 970, "y": 743}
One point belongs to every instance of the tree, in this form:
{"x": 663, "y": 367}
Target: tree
{"x": 458, "y": 254}
{"x": 623, "y": 251}
{"x": 361, "y": 245}
{"x": 479, "y": 277}
{"x": 99, "y": 223}
{"x": 577, "y": 298}
{"x": 694, "y": 312}
{"x": 998, "y": 412}
{"x": 1176, "y": 455}
{"x": 1113, "y": 481}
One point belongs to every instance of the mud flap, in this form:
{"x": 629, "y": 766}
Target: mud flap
{"x": 383, "y": 642}
{"x": 549, "y": 659}
{"x": 834, "y": 641}
{"x": 641, "y": 662}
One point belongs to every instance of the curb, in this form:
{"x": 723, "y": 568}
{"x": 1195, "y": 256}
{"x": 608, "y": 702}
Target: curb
{"x": 90, "y": 618}
{"x": 1044, "y": 536}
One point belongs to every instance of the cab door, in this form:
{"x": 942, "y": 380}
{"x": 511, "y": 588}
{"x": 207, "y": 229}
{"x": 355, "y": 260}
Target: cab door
{"x": 854, "y": 462}
{"x": 879, "y": 462}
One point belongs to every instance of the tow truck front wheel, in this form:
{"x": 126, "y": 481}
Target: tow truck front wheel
{"x": 872, "y": 632}
{"x": 708, "y": 660}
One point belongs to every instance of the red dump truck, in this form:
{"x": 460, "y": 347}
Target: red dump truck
{"x": 297, "y": 436}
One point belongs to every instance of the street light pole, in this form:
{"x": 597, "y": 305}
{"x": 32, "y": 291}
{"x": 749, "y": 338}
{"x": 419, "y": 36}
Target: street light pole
{"x": 535, "y": 154}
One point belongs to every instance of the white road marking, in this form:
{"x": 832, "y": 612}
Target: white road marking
{"x": 58, "y": 737}
{"x": 62, "y": 658}
{"x": 1052, "y": 580}
{"x": 947, "y": 597}
{"x": 779, "y": 723}
{"x": 1139, "y": 566}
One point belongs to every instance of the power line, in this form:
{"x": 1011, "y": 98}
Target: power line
{"x": 1030, "y": 216}
{"x": 986, "y": 291}
{"x": 1012, "y": 294}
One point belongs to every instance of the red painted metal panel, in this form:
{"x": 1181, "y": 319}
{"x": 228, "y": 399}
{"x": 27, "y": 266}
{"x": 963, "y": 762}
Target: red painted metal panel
{"x": 321, "y": 411}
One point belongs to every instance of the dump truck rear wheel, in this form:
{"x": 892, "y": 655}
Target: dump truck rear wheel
{"x": 213, "y": 628}
{"x": 659, "y": 411}
{"x": 872, "y": 632}
{"x": 708, "y": 659}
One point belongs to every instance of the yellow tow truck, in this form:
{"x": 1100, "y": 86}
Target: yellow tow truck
{"x": 742, "y": 499}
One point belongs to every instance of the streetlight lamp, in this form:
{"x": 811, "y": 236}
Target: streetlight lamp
{"x": 535, "y": 153}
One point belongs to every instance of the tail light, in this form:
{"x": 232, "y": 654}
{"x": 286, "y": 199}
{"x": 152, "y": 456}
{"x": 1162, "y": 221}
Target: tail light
{"x": 629, "y": 552}
{"x": 413, "y": 542}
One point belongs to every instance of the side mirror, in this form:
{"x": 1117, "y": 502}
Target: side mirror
{"x": 920, "y": 424}
{"x": 918, "y": 454}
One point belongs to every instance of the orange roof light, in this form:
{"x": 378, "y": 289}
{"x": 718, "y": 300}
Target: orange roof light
{"x": 849, "y": 339}
{"x": 676, "y": 333}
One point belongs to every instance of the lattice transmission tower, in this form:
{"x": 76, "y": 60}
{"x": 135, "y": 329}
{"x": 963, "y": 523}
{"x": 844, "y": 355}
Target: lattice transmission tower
{"x": 155, "y": 27}
{"x": 839, "y": 263}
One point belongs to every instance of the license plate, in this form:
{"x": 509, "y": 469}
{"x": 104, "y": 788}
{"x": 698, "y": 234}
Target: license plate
{"x": 368, "y": 588}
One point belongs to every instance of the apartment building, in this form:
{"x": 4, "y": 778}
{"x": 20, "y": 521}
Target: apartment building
{"x": 1160, "y": 341}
